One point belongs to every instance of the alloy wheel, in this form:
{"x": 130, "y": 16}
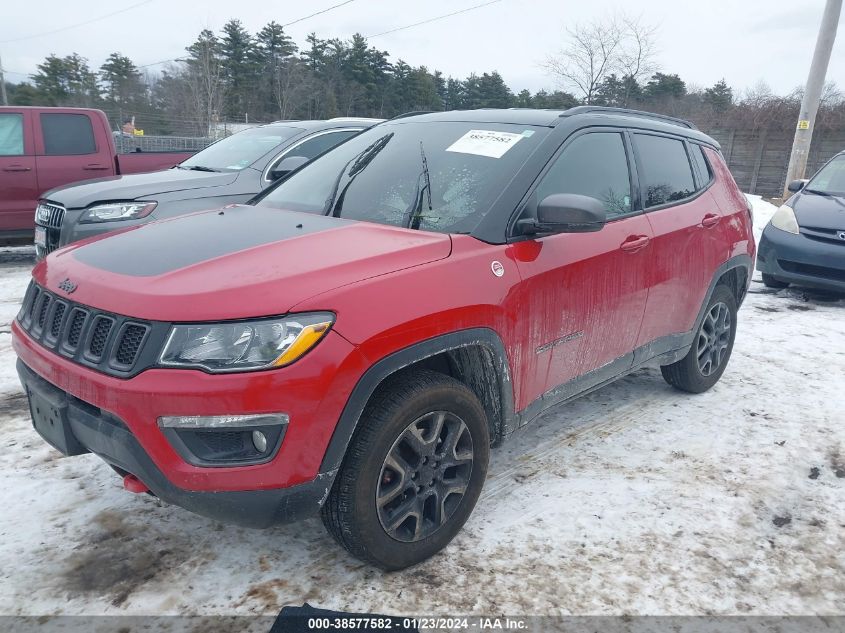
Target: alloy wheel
{"x": 424, "y": 476}
{"x": 714, "y": 337}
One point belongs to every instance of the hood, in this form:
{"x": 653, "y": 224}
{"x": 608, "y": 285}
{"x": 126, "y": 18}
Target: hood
{"x": 137, "y": 186}
{"x": 237, "y": 262}
{"x": 821, "y": 212}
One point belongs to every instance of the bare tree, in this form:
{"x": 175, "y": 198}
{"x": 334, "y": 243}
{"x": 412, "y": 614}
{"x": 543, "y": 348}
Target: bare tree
{"x": 637, "y": 51}
{"x": 622, "y": 45}
{"x": 204, "y": 75}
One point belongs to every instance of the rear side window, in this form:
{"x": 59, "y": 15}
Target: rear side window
{"x": 316, "y": 145}
{"x": 704, "y": 173}
{"x": 67, "y": 134}
{"x": 11, "y": 134}
{"x": 667, "y": 174}
{"x": 594, "y": 165}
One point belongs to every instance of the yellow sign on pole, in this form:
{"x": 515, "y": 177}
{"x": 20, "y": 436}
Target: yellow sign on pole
{"x": 803, "y": 124}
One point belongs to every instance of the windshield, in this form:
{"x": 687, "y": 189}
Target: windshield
{"x": 435, "y": 176}
{"x": 241, "y": 150}
{"x": 830, "y": 179}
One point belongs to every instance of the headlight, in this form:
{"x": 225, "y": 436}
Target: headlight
{"x": 784, "y": 219}
{"x": 245, "y": 345}
{"x": 118, "y": 211}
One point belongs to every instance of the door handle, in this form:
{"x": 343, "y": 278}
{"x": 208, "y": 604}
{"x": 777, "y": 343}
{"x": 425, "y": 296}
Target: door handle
{"x": 17, "y": 168}
{"x": 635, "y": 243}
{"x": 95, "y": 167}
{"x": 710, "y": 220}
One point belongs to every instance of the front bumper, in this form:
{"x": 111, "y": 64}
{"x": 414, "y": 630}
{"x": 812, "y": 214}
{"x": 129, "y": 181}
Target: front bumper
{"x": 802, "y": 260}
{"x": 313, "y": 392}
{"x": 89, "y": 429}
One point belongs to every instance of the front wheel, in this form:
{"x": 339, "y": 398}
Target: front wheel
{"x": 413, "y": 471}
{"x": 711, "y": 349}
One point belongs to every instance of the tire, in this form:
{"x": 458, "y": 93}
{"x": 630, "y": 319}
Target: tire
{"x": 395, "y": 455}
{"x": 713, "y": 341}
{"x": 771, "y": 282}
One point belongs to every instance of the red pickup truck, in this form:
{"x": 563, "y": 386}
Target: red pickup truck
{"x": 44, "y": 148}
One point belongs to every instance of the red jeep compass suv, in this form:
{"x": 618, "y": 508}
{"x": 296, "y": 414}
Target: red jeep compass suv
{"x": 353, "y": 342}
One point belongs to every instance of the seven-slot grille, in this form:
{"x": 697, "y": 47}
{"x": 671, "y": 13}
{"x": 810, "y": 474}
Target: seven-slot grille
{"x": 50, "y": 216}
{"x": 109, "y": 342}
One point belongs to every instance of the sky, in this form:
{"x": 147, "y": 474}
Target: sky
{"x": 745, "y": 41}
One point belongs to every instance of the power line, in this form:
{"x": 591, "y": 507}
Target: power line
{"x": 439, "y": 17}
{"x": 73, "y": 26}
{"x": 317, "y": 13}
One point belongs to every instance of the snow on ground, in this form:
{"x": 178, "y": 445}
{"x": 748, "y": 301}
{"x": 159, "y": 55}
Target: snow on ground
{"x": 636, "y": 499}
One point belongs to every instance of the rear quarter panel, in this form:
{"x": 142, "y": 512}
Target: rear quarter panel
{"x": 736, "y": 227}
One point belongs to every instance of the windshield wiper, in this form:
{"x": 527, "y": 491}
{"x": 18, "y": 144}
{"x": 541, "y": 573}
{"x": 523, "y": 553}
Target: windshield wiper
{"x": 334, "y": 203}
{"x": 817, "y": 192}
{"x": 413, "y": 216}
{"x": 197, "y": 168}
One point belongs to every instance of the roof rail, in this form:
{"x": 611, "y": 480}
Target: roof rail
{"x": 412, "y": 113}
{"x": 354, "y": 119}
{"x": 586, "y": 109}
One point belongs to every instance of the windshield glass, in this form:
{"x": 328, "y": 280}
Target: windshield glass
{"x": 242, "y": 149}
{"x": 435, "y": 176}
{"x": 830, "y": 179}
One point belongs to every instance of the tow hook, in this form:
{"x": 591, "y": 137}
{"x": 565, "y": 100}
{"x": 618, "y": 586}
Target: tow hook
{"x": 133, "y": 484}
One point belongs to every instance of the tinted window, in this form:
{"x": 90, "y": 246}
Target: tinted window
{"x": 313, "y": 147}
{"x": 704, "y": 173}
{"x": 241, "y": 150}
{"x": 316, "y": 145}
{"x": 67, "y": 134}
{"x": 831, "y": 178}
{"x": 667, "y": 175}
{"x": 592, "y": 165}
{"x": 11, "y": 135}
{"x": 379, "y": 175}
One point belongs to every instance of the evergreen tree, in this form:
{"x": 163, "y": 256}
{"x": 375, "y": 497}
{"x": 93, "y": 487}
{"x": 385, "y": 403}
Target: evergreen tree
{"x": 719, "y": 96}
{"x": 66, "y": 81}
{"x": 122, "y": 84}
{"x": 663, "y": 87}
{"x": 239, "y": 67}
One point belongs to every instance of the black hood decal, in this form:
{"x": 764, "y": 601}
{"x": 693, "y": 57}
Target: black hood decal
{"x": 162, "y": 247}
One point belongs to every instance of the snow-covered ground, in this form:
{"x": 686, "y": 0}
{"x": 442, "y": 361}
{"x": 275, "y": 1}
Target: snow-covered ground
{"x": 636, "y": 499}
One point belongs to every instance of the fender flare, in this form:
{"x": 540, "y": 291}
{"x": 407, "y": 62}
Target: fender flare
{"x": 486, "y": 338}
{"x": 739, "y": 261}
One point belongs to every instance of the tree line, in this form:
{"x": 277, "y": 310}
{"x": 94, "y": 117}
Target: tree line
{"x": 238, "y": 76}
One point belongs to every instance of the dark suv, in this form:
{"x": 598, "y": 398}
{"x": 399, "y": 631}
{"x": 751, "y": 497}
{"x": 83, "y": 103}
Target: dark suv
{"x": 232, "y": 170}
{"x": 355, "y": 341}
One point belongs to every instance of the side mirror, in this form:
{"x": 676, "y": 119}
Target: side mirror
{"x": 796, "y": 185}
{"x": 565, "y": 213}
{"x": 288, "y": 164}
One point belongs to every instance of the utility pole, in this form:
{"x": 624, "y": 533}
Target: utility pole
{"x": 812, "y": 94}
{"x": 4, "y": 100}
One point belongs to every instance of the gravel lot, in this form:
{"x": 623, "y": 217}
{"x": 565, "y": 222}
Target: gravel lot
{"x": 636, "y": 499}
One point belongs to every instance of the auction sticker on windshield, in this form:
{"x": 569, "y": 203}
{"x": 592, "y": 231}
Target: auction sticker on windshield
{"x": 485, "y": 143}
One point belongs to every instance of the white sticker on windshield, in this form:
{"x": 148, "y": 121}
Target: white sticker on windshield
{"x": 485, "y": 143}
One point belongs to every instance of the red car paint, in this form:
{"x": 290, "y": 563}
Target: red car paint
{"x": 562, "y": 305}
{"x": 23, "y": 178}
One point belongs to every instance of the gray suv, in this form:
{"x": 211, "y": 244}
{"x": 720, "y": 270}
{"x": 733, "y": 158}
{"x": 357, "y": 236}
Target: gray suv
{"x": 230, "y": 171}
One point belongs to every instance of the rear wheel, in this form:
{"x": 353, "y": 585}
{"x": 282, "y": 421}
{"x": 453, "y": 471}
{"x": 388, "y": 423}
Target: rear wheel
{"x": 771, "y": 282}
{"x": 413, "y": 471}
{"x": 711, "y": 349}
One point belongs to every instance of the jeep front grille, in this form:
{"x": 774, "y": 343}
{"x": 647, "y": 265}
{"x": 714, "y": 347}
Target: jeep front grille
{"x": 108, "y": 342}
